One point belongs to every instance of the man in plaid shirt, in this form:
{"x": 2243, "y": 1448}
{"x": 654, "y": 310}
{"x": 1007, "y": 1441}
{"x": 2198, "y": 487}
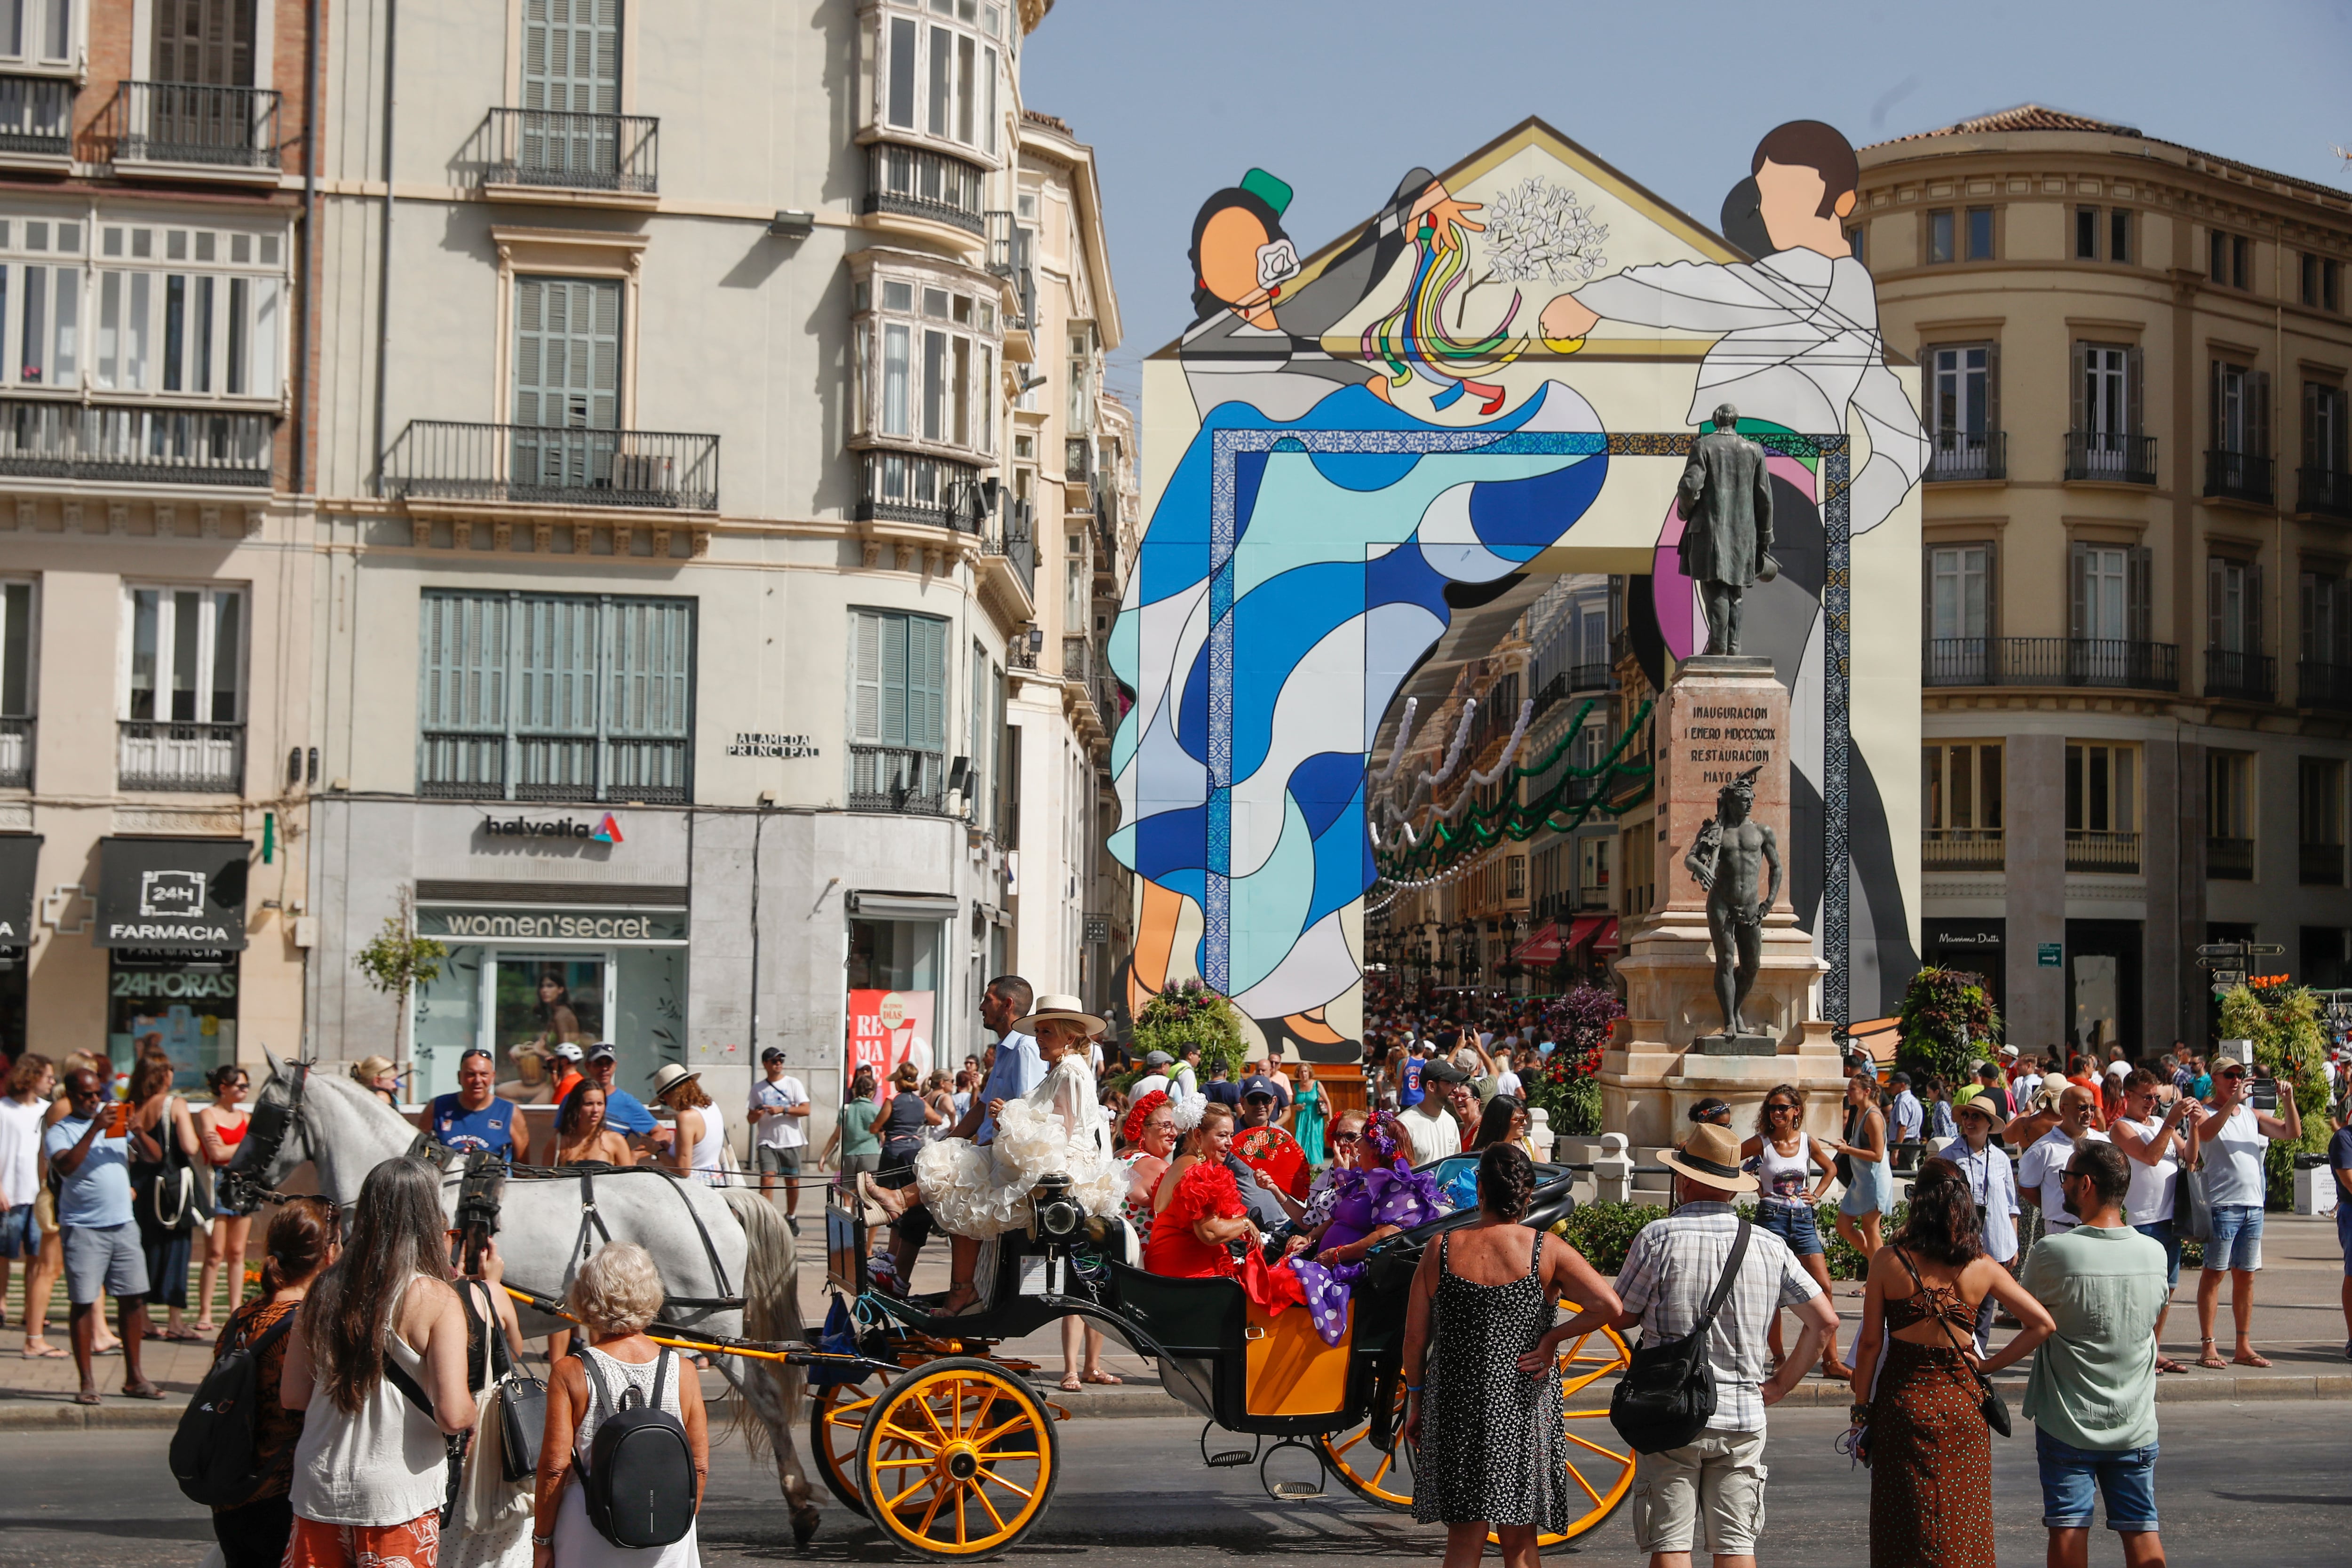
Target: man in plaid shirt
{"x": 1670, "y": 1272}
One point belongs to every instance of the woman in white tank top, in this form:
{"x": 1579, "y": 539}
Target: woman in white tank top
{"x": 1784, "y": 1155}
{"x": 370, "y": 1471}
{"x": 698, "y": 1147}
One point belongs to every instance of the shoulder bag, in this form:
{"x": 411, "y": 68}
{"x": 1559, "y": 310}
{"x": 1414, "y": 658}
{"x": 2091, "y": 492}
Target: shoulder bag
{"x": 1990, "y": 1404}
{"x": 2192, "y": 1209}
{"x": 1666, "y": 1396}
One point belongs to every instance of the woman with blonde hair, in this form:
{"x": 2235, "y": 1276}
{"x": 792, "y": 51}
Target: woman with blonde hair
{"x": 377, "y": 1076}
{"x": 614, "y": 1296}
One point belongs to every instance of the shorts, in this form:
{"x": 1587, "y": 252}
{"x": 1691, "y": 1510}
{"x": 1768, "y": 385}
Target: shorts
{"x": 1721, "y": 1477}
{"x": 773, "y": 1161}
{"x": 20, "y": 1233}
{"x": 2344, "y": 1232}
{"x": 1794, "y": 1223}
{"x": 2236, "y": 1243}
{"x": 851, "y": 1164}
{"x": 2125, "y": 1476}
{"x": 316, "y": 1545}
{"x": 897, "y": 1170}
{"x": 2164, "y": 1235}
{"x": 104, "y": 1261}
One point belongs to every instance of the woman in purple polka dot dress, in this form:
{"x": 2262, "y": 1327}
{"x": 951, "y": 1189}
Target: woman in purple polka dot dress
{"x": 1375, "y": 1194}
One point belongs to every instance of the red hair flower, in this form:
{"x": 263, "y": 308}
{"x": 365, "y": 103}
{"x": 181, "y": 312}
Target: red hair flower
{"x": 1141, "y": 1112}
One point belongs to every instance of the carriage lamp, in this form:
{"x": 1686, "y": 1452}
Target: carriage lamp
{"x": 1059, "y": 1214}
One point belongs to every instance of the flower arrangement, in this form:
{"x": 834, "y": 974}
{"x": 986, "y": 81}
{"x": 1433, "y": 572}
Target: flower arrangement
{"x": 1947, "y": 1020}
{"x": 1578, "y": 1023}
{"x": 1192, "y": 1015}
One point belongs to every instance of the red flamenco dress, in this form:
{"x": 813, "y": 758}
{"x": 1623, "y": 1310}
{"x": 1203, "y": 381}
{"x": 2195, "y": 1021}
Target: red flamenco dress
{"x": 1205, "y": 1191}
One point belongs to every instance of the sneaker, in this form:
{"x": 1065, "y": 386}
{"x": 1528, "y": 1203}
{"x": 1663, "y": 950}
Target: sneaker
{"x": 794, "y": 1222}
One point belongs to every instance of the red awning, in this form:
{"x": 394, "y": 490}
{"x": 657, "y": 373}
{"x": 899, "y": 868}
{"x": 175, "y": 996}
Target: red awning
{"x": 1582, "y": 930}
{"x": 1606, "y": 941}
{"x": 1543, "y": 948}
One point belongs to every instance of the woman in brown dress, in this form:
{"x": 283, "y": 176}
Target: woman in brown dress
{"x": 1913, "y": 1384}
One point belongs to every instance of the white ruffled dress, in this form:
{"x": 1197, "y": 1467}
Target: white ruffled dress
{"x": 1059, "y": 1128}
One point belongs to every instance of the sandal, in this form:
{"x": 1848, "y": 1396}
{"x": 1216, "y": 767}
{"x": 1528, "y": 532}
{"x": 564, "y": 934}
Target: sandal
{"x": 143, "y": 1391}
{"x": 43, "y": 1352}
{"x": 1099, "y": 1377}
{"x": 1069, "y": 1383}
{"x": 960, "y": 1300}
{"x": 2166, "y": 1364}
{"x": 87, "y": 1397}
{"x": 2250, "y": 1358}
{"x": 2212, "y": 1358}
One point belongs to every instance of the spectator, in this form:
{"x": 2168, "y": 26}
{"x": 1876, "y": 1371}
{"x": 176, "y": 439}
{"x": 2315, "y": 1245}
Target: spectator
{"x": 24, "y": 1197}
{"x": 301, "y": 1241}
{"x": 568, "y": 1060}
{"x": 853, "y": 1132}
{"x": 2158, "y": 1150}
{"x": 779, "y": 1113}
{"x": 89, "y": 1152}
{"x": 623, "y": 1112}
{"x": 1462, "y": 1100}
{"x": 474, "y": 1120}
{"x": 379, "y": 1372}
{"x": 1784, "y": 1160}
{"x": 378, "y": 1076}
{"x": 698, "y": 1146}
{"x": 2092, "y": 1395}
{"x": 1429, "y": 1127}
{"x": 1989, "y": 1084}
{"x": 1991, "y": 1180}
{"x": 1264, "y": 1146}
{"x": 615, "y": 1295}
{"x": 220, "y": 1127}
{"x": 1862, "y": 1164}
{"x": 1712, "y": 1109}
{"x": 1905, "y": 1111}
{"x": 1941, "y": 1128}
{"x": 1308, "y": 1106}
{"x": 2026, "y": 1084}
{"x": 1504, "y": 1121}
{"x": 1930, "y": 1453}
{"x": 2339, "y": 1165}
{"x": 1188, "y": 1072}
{"x": 1670, "y": 1271}
{"x": 1479, "y": 1367}
{"x": 2041, "y": 1174}
{"x": 581, "y": 1134}
{"x": 1507, "y": 1074}
{"x": 164, "y": 1150}
{"x": 1155, "y": 1078}
{"x": 2236, "y": 1137}
{"x": 1408, "y": 1089}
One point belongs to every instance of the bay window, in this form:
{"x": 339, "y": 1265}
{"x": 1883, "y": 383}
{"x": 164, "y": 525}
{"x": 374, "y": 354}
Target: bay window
{"x": 938, "y": 68}
{"x": 926, "y": 350}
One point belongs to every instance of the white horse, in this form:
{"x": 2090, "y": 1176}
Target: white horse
{"x": 713, "y": 1246}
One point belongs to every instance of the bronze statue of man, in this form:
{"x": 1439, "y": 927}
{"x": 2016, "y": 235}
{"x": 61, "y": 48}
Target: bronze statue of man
{"x": 1724, "y": 860}
{"x": 1726, "y": 503}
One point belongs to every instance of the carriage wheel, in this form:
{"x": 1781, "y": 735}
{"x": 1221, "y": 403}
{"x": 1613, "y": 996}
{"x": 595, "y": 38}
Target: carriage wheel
{"x": 1600, "y": 1464}
{"x": 836, "y": 1421}
{"x": 957, "y": 1459}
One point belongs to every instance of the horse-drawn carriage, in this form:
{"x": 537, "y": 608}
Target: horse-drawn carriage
{"x": 949, "y": 1448}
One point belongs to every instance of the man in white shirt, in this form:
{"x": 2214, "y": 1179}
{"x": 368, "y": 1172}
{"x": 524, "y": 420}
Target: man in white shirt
{"x": 2026, "y": 1083}
{"x": 1155, "y": 1078}
{"x": 778, "y": 1113}
{"x": 1428, "y": 1125}
{"x": 2040, "y": 1174}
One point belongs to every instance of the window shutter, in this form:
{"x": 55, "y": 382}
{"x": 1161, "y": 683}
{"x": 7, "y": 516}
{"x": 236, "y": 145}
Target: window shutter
{"x": 1927, "y": 628}
{"x": 2311, "y": 455}
{"x": 557, "y": 667}
{"x": 1992, "y": 598}
{"x": 2216, "y": 596}
{"x": 2253, "y": 617}
{"x": 568, "y": 353}
{"x": 926, "y": 683}
{"x": 572, "y": 56}
{"x": 2132, "y": 375}
{"x": 865, "y": 677}
{"x": 653, "y": 642}
{"x": 2258, "y": 413}
{"x": 1992, "y": 395}
{"x": 893, "y": 730}
{"x": 530, "y": 314}
{"x": 2079, "y": 566}
{"x": 2138, "y": 562}
{"x": 2082, "y": 387}
{"x": 603, "y": 330}
{"x": 464, "y": 651}
{"x": 2215, "y": 435}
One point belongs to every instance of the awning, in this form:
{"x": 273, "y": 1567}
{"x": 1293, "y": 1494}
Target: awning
{"x": 171, "y": 895}
{"x": 1587, "y": 927}
{"x": 904, "y": 906}
{"x": 1606, "y": 940}
{"x": 1541, "y": 949}
{"x": 20, "y": 856}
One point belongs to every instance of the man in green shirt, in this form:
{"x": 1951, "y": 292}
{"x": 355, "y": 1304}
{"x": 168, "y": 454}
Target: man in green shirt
{"x": 2092, "y": 1393}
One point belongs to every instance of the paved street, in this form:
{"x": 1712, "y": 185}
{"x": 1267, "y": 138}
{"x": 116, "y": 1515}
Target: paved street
{"x": 2233, "y": 1476}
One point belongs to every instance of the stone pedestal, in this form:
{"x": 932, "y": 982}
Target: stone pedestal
{"x": 1720, "y": 716}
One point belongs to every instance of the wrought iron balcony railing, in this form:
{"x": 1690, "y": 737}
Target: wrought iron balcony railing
{"x": 44, "y": 439}
{"x": 2321, "y": 685}
{"x": 36, "y": 115}
{"x": 898, "y": 487}
{"x": 2103, "y": 455}
{"x": 2327, "y": 491}
{"x": 445, "y": 460}
{"x": 916, "y": 182}
{"x": 2251, "y": 677}
{"x": 1967, "y": 454}
{"x": 1011, "y": 536}
{"x": 896, "y": 778}
{"x": 459, "y": 764}
{"x": 1962, "y": 850}
{"x": 15, "y": 753}
{"x": 2238, "y": 476}
{"x": 182, "y": 122}
{"x": 2229, "y": 859}
{"x": 2115, "y": 853}
{"x": 560, "y": 151}
{"x": 2051, "y": 661}
{"x": 199, "y": 759}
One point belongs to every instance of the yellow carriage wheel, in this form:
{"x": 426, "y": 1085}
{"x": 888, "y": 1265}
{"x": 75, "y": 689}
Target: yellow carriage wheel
{"x": 1600, "y": 1465}
{"x": 957, "y": 1459}
{"x": 836, "y": 1423}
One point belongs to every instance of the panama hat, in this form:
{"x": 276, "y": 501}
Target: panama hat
{"x": 1711, "y": 1155}
{"x": 670, "y": 1075}
{"x": 1069, "y": 1009}
{"x": 1982, "y": 1105}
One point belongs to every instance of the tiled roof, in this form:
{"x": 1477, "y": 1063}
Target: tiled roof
{"x": 2024, "y": 117}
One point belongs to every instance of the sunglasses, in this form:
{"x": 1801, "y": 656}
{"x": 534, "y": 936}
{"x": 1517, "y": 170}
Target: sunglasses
{"x": 1778, "y": 1110}
{"x": 1347, "y": 1138}
{"x": 2233, "y": 1072}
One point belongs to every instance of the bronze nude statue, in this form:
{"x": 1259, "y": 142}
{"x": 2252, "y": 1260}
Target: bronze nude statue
{"x": 1724, "y": 860}
{"x": 1725, "y": 500}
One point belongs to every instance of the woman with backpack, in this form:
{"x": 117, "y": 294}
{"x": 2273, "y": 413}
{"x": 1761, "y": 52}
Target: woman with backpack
{"x": 163, "y": 1151}
{"x": 301, "y": 1241}
{"x": 648, "y": 1397}
{"x": 379, "y": 1372}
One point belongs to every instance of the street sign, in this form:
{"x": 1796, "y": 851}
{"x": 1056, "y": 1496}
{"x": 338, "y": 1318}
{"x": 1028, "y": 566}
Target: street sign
{"x": 2050, "y": 955}
{"x": 2224, "y": 979}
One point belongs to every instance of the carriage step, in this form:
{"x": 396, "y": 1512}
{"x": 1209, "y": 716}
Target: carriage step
{"x": 1231, "y": 1458}
{"x": 1294, "y": 1491}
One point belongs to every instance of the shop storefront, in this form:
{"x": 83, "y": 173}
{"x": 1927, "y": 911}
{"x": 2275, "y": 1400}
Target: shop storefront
{"x": 895, "y": 941}
{"x": 171, "y": 915}
{"x": 1976, "y": 946}
{"x": 20, "y": 855}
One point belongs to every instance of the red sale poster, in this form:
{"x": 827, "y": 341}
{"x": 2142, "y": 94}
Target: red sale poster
{"x": 886, "y": 1027}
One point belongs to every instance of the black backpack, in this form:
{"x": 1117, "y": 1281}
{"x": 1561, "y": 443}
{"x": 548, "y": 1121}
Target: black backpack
{"x": 1666, "y": 1396}
{"x": 639, "y": 1480}
{"x": 213, "y": 1454}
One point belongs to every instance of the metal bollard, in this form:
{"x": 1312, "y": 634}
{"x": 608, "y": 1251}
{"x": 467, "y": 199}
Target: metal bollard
{"x": 1613, "y": 1170}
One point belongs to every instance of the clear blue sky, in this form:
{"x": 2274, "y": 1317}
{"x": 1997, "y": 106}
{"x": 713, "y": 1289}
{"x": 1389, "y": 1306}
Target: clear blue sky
{"x": 1341, "y": 96}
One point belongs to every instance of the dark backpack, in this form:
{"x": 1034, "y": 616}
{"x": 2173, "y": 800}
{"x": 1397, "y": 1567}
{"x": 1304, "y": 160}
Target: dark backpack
{"x": 1666, "y": 1396}
{"x": 639, "y": 1480}
{"x": 213, "y": 1454}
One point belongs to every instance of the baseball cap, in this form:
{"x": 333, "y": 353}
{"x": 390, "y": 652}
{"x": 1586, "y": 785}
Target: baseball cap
{"x": 772, "y": 1054}
{"x": 568, "y": 1051}
{"x": 1256, "y": 1085}
{"x": 1440, "y": 1070}
{"x": 604, "y": 1051}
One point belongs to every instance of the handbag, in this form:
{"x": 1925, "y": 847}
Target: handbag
{"x": 2192, "y": 1210}
{"x": 1666, "y": 1396}
{"x": 1990, "y": 1404}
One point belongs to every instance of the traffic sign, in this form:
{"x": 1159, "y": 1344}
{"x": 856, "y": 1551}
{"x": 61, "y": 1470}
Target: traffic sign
{"x": 2224, "y": 979}
{"x": 2050, "y": 955}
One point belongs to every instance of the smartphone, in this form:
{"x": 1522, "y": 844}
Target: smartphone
{"x": 120, "y": 1127}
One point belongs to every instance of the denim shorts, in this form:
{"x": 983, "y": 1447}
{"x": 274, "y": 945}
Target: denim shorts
{"x": 1794, "y": 1223}
{"x": 2163, "y": 1234}
{"x": 2237, "y": 1238}
{"x": 2125, "y": 1476}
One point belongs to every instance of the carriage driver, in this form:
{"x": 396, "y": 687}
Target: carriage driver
{"x": 476, "y": 1119}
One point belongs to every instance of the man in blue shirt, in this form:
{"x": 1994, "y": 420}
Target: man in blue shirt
{"x": 623, "y": 1112}
{"x": 474, "y": 1120}
{"x": 1017, "y": 1068}
{"x": 1906, "y": 1112}
{"x": 89, "y": 1150}
{"x": 1408, "y": 1089}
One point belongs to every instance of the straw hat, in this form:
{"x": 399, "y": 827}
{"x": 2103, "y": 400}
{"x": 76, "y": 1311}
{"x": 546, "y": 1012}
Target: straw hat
{"x": 670, "y": 1075}
{"x": 1069, "y": 1009}
{"x": 1982, "y": 1105}
{"x": 1711, "y": 1155}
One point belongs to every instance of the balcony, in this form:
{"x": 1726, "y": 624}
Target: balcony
{"x": 215, "y": 131}
{"x": 50, "y": 440}
{"x": 2318, "y": 685}
{"x": 15, "y": 753}
{"x": 1588, "y": 677}
{"x": 2229, "y": 859}
{"x": 458, "y": 765}
{"x": 1967, "y": 454}
{"x": 897, "y": 487}
{"x": 2050, "y": 661}
{"x": 2106, "y": 458}
{"x": 2238, "y": 476}
{"x": 913, "y": 181}
{"x": 2248, "y": 677}
{"x": 542, "y": 150}
{"x": 2324, "y": 492}
{"x": 439, "y": 459}
{"x": 1012, "y": 538}
{"x": 198, "y": 759}
{"x": 2114, "y": 853}
{"x": 1008, "y": 258}
{"x": 894, "y": 778}
{"x": 37, "y": 120}
{"x": 2320, "y": 865}
{"x": 1962, "y": 850}
{"x": 1077, "y": 459}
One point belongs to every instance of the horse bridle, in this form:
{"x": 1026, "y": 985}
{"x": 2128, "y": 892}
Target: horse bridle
{"x": 239, "y": 1186}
